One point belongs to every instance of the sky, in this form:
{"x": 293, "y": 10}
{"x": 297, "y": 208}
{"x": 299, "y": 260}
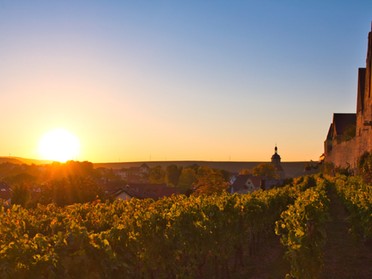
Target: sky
{"x": 179, "y": 80}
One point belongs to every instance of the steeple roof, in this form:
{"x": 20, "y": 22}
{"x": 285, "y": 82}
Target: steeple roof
{"x": 276, "y": 156}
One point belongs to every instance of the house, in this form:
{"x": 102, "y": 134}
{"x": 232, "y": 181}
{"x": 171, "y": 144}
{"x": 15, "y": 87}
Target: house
{"x": 111, "y": 187}
{"x": 246, "y": 183}
{"x": 268, "y": 183}
{"x": 143, "y": 191}
{"x": 134, "y": 174}
{"x": 5, "y": 191}
{"x": 123, "y": 195}
{"x": 144, "y": 169}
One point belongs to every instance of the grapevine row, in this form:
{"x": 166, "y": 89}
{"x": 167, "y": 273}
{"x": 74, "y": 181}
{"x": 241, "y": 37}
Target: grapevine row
{"x": 177, "y": 237}
{"x": 302, "y": 231}
{"x": 357, "y": 197}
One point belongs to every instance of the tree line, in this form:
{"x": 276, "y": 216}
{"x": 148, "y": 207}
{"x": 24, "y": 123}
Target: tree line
{"x": 79, "y": 182}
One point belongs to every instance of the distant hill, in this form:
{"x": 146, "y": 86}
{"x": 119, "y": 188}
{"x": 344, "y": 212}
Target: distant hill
{"x": 291, "y": 169}
{"x": 20, "y": 161}
{"x": 10, "y": 160}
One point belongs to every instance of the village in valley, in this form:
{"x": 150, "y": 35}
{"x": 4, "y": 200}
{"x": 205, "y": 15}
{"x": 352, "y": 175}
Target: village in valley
{"x": 87, "y": 181}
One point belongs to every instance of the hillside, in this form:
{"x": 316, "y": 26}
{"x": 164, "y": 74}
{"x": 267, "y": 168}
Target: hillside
{"x": 20, "y": 161}
{"x": 10, "y": 160}
{"x": 292, "y": 169}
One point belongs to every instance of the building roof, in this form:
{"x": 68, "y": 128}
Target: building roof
{"x": 143, "y": 191}
{"x": 241, "y": 180}
{"x": 342, "y": 121}
{"x": 5, "y": 191}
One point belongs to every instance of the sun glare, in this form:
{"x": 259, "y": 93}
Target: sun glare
{"x": 59, "y": 145}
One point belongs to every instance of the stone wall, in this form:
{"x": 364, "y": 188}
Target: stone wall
{"x": 344, "y": 154}
{"x": 364, "y": 143}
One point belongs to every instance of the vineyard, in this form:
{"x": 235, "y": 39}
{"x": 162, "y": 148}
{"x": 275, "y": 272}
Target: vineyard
{"x": 216, "y": 236}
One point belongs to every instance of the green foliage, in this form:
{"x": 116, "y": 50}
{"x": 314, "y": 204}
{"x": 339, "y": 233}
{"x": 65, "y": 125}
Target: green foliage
{"x": 365, "y": 167}
{"x": 209, "y": 181}
{"x": 266, "y": 170}
{"x": 175, "y": 237}
{"x": 20, "y": 178}
{"x": 327, "y": 168}
{"x": 20, "y": 194}
{"x": 173, "y": 173}
{"x": 205, "y": 236}
{"x": 157, "y": 175}
{"x": 21, "y": 188}
{"x": 357, "y": 197}
{"x": 245, "y": 171}
{"x": 302, "y": 231}
{"x": 73, "y": 189}
{"x": 311, "y": 166}
{"x": 305, "y": 182}
{"x": 63, "y": 184}
{"x": 187, "y": 178}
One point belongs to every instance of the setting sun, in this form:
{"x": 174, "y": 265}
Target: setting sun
{"x": 59, "y": 145}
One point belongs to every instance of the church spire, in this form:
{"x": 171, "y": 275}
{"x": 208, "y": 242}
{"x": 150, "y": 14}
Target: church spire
{"x": 275, "y": 159}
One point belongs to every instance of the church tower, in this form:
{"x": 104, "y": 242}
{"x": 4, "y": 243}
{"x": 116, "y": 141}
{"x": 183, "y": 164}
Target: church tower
{"x": 275, "y": 161}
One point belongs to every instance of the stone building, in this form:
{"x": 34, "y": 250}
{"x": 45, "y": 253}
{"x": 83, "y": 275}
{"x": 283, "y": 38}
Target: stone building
{"x": 350, "y": 134}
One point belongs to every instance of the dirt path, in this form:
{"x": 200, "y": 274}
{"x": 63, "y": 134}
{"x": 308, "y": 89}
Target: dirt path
{"x": 344, "y": 256}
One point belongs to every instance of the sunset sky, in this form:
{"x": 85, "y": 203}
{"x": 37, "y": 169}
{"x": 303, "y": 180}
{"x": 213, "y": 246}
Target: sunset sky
{"x": 179, "y": 80}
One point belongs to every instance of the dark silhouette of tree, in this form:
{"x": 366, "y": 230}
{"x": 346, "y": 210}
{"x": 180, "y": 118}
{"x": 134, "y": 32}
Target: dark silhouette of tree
{"x": 187, "y": 178}
{"x": 267, "y": 170}
{"x": 21, "y": 178}
{"x": 245, "y": 171}
{"x": 20, "y": 194}
{"x": 157, "y": 175}
{"x": 209, "y": 181}
{"x": 72, "y": 189}
{"x": 173, "y": 173}
{"x": 21, "y": 185}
